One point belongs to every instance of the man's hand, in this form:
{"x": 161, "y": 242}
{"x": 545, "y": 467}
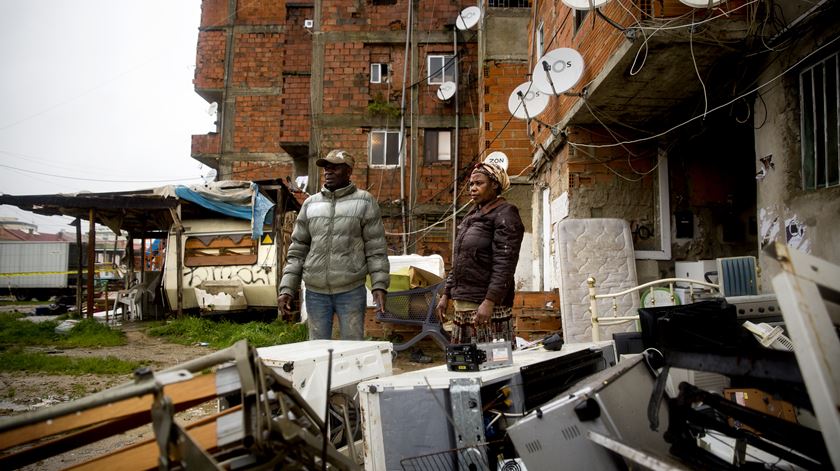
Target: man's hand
{"x": 285, "y": 303}
{"x": 379, "y": 300}
{"x": 440, "y": 310}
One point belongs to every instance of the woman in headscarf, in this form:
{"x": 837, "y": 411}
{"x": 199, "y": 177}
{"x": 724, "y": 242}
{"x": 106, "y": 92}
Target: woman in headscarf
{"x": 480, "y": 282}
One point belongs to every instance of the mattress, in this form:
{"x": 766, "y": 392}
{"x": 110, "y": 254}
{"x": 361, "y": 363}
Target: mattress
{"x": 602, "y": 249}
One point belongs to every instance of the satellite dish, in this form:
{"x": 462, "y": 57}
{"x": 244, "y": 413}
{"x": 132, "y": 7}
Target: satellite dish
{"x": 214, "y": 107}
{"x": 701, "y": 3}
{"x": 468, "y": 18}
{"x": 499, "y": 158}
{"x": 526, "y": 101}
{"x": 585, "y": 4}
{"x": 446, "y": 91}
{"x": 558, "y": 70}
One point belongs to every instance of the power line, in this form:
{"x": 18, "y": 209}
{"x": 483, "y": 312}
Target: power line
{"x": 96, "y": 179}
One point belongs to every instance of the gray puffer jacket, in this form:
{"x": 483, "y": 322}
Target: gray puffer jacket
{"x": 338, "y": 240}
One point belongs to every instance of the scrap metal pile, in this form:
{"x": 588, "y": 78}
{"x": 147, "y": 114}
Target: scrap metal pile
{"x": 271, "y": 426}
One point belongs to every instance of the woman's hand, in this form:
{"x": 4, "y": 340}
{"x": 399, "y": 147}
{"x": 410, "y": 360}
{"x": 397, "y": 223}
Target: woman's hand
{"x": 440, "y": 310}
{"x": 484, "y": 312}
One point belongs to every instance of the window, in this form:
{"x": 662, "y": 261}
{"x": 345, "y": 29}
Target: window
{"x": 220, "y": 250}
{"x": 379, "y": 73}
{"x": 818, "y": 88}
{"x": 384, "y": 148}
{"x": 441, "y": 69}
{"x": 438, "y": 145}
{"x": 580, "y": 15}
{"x": 540, "y": 40}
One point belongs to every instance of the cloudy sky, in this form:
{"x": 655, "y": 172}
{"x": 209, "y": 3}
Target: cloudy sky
{"x": 97, "y": 96}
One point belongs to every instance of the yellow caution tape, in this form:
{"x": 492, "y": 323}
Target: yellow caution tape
{"x": 39, "y": 273}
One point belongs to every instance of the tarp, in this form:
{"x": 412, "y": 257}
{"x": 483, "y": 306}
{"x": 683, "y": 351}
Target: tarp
{"x": 238, "y": 199}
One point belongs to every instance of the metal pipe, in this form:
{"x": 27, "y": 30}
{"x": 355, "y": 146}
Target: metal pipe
{"x": 402, "y": 132}
{"x": 455, "y": 151}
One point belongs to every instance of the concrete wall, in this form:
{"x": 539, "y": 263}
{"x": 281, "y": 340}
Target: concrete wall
{"x": 808, "y": 220}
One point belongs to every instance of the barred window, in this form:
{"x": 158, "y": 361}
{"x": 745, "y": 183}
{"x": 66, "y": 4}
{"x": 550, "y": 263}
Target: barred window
{"x": 820, "y": 123}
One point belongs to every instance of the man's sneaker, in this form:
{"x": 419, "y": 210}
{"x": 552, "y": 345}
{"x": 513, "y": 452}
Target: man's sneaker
{"x": 418, "y": 356}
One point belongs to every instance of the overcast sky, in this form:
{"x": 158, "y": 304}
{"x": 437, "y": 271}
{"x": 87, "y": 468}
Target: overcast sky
{"x": 97, "y": 95}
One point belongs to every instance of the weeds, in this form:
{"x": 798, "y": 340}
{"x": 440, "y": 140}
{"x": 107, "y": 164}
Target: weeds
{"x": 222, "y": 334}
{"x": 17, "y": 360}
{"x": 87, "y": 333}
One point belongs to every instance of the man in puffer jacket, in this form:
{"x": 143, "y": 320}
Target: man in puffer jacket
{"x": 338, "y": 240}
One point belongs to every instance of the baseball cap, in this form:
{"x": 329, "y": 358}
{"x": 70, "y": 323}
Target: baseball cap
{"x": 336, "y": 156}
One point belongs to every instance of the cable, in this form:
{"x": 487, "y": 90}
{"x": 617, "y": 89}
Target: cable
{"x": 759, "y": 87}
{"x": 696, "y": 70}
{"x": 96, "y": 179}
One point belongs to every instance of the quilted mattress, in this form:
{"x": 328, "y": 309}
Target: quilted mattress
{"x": 602, "y": 249}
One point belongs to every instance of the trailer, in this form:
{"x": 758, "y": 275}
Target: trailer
{"x": 38, "y": 270}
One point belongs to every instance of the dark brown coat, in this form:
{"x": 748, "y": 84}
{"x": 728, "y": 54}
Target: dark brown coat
{"x": 486, "y": 252}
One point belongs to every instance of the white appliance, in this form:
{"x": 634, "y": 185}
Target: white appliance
{"x": 411, "y": 414}
{"x": 305, "y": 365}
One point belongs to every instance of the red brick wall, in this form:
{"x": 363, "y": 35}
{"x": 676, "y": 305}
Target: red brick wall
{"x": 214, "y": 13}
{"x": 257, "y": 60}
{"x": 295, "y": 118}
{"x": 207, "y": 143}
{"x": 257, "y": 124}
{"x": 500, "y": 132}
{"x": 257, "y": 170}
{"x": 260, "y": 12}
{"x": 210, "y": 60}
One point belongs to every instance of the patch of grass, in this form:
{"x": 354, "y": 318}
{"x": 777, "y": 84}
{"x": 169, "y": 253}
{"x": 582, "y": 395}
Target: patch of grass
{"x": 14, "y": 330}
{"x": 17, "y": 360}
{"x": 221, "y": 334}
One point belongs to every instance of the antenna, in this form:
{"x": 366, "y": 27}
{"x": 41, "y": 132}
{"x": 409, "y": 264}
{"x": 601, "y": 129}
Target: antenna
{"x": 468, "y": 18}
{"x": 585, "y": 4}
{"x": 526, "y": 101}
{"x": 446, "y": 91}
{"x": 700, "y": 3}
{"x": 558, "y": 70}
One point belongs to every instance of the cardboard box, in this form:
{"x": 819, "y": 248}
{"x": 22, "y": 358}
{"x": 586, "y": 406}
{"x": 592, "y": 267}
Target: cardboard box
{"x": 759, "y": 400}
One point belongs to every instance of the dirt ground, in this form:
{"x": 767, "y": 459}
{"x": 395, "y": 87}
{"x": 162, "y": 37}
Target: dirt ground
{"x": 20, "y": 392}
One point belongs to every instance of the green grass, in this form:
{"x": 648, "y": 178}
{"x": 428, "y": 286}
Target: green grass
{"x": 87, "y": 333}
{"x": 222, "y": 334}
{"x": 17, "y": 360}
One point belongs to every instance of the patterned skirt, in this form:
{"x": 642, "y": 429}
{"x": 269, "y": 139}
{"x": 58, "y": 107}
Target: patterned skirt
{"x": 465, "y": 330}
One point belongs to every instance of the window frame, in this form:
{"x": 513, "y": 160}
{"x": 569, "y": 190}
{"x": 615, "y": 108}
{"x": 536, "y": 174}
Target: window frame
{"x": 442, "y": 70}
{"x": 382, "y": 71}
{"x": 388, "y": 136}
{"x": 431, "y": 138}
{"x": 540, "y": 42}
{"x": 819, "y": 124}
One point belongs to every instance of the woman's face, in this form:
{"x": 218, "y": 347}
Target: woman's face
{"x": 482, "y": 188}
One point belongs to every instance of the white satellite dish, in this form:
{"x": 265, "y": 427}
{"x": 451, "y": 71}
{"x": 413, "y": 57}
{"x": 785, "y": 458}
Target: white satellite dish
{"x": 701, "y": 3}
{"x": 446, "y": 91}
{"x": 584, "y": 4}
{"x": 468, "y": 18}
{"x": 558, "y": 70}
{"x": 526, "y": 101}
{"x": 499, "y": 158}
{"x": 213, "y": 109}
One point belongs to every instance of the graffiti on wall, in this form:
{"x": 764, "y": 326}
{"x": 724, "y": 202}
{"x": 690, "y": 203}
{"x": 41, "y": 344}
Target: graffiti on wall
{"x": 250, "y": 275}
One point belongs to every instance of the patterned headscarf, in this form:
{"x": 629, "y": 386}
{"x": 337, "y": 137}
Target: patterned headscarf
{"x": 495, "y": 173}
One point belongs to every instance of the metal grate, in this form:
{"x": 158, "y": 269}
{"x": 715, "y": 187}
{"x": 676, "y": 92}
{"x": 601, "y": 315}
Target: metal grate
{"x": 460, "y": 459}
{"x": 819, "y": 123}
{"x": 509, "y": 3}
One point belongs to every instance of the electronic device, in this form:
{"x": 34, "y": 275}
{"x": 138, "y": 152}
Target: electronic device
{"x": 541, "y": 382}
{"x": 478, "y": 356}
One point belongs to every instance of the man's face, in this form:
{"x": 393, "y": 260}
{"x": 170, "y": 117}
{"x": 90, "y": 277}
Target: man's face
{"x": 337, "y": 175}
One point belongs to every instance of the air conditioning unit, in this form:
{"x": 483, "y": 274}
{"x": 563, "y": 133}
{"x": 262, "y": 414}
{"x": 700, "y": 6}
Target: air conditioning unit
{"x": 309, "y": 24}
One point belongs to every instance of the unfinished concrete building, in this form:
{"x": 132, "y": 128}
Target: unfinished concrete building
{"x": 711, "y": 129}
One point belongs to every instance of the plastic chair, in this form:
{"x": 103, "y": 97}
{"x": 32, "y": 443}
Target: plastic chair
{"x": 415, "y": 307}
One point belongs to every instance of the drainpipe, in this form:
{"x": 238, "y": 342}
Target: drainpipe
{"x": 402, "y": 132}
{"x": 455, "y": 153}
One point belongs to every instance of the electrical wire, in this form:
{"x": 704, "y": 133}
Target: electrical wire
{"x": 96, "y": 179}
{"x": 696, "y": 69}
{"x": 723, "y": 105}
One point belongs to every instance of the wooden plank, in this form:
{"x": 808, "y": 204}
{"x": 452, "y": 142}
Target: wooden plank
{"x": 201, "y": 388}
{"x": 144, "y": 455}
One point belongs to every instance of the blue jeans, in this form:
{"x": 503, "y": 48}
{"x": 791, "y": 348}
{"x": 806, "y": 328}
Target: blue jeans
{"x": 350, "y": 307}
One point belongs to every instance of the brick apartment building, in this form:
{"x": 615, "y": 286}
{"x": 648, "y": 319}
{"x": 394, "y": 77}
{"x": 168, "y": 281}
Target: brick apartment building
{"x": 294, "y": 80}
{"x": 713, "y": 131}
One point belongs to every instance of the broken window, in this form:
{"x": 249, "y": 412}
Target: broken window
{"x": 220, "y": 250}
{"x": 379, "y": 73}
{"x": 819, "y": 121}
{"x": 384, "y": 148}
{"x": 438, "y": 145}
{"x": 441, "y": 68}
